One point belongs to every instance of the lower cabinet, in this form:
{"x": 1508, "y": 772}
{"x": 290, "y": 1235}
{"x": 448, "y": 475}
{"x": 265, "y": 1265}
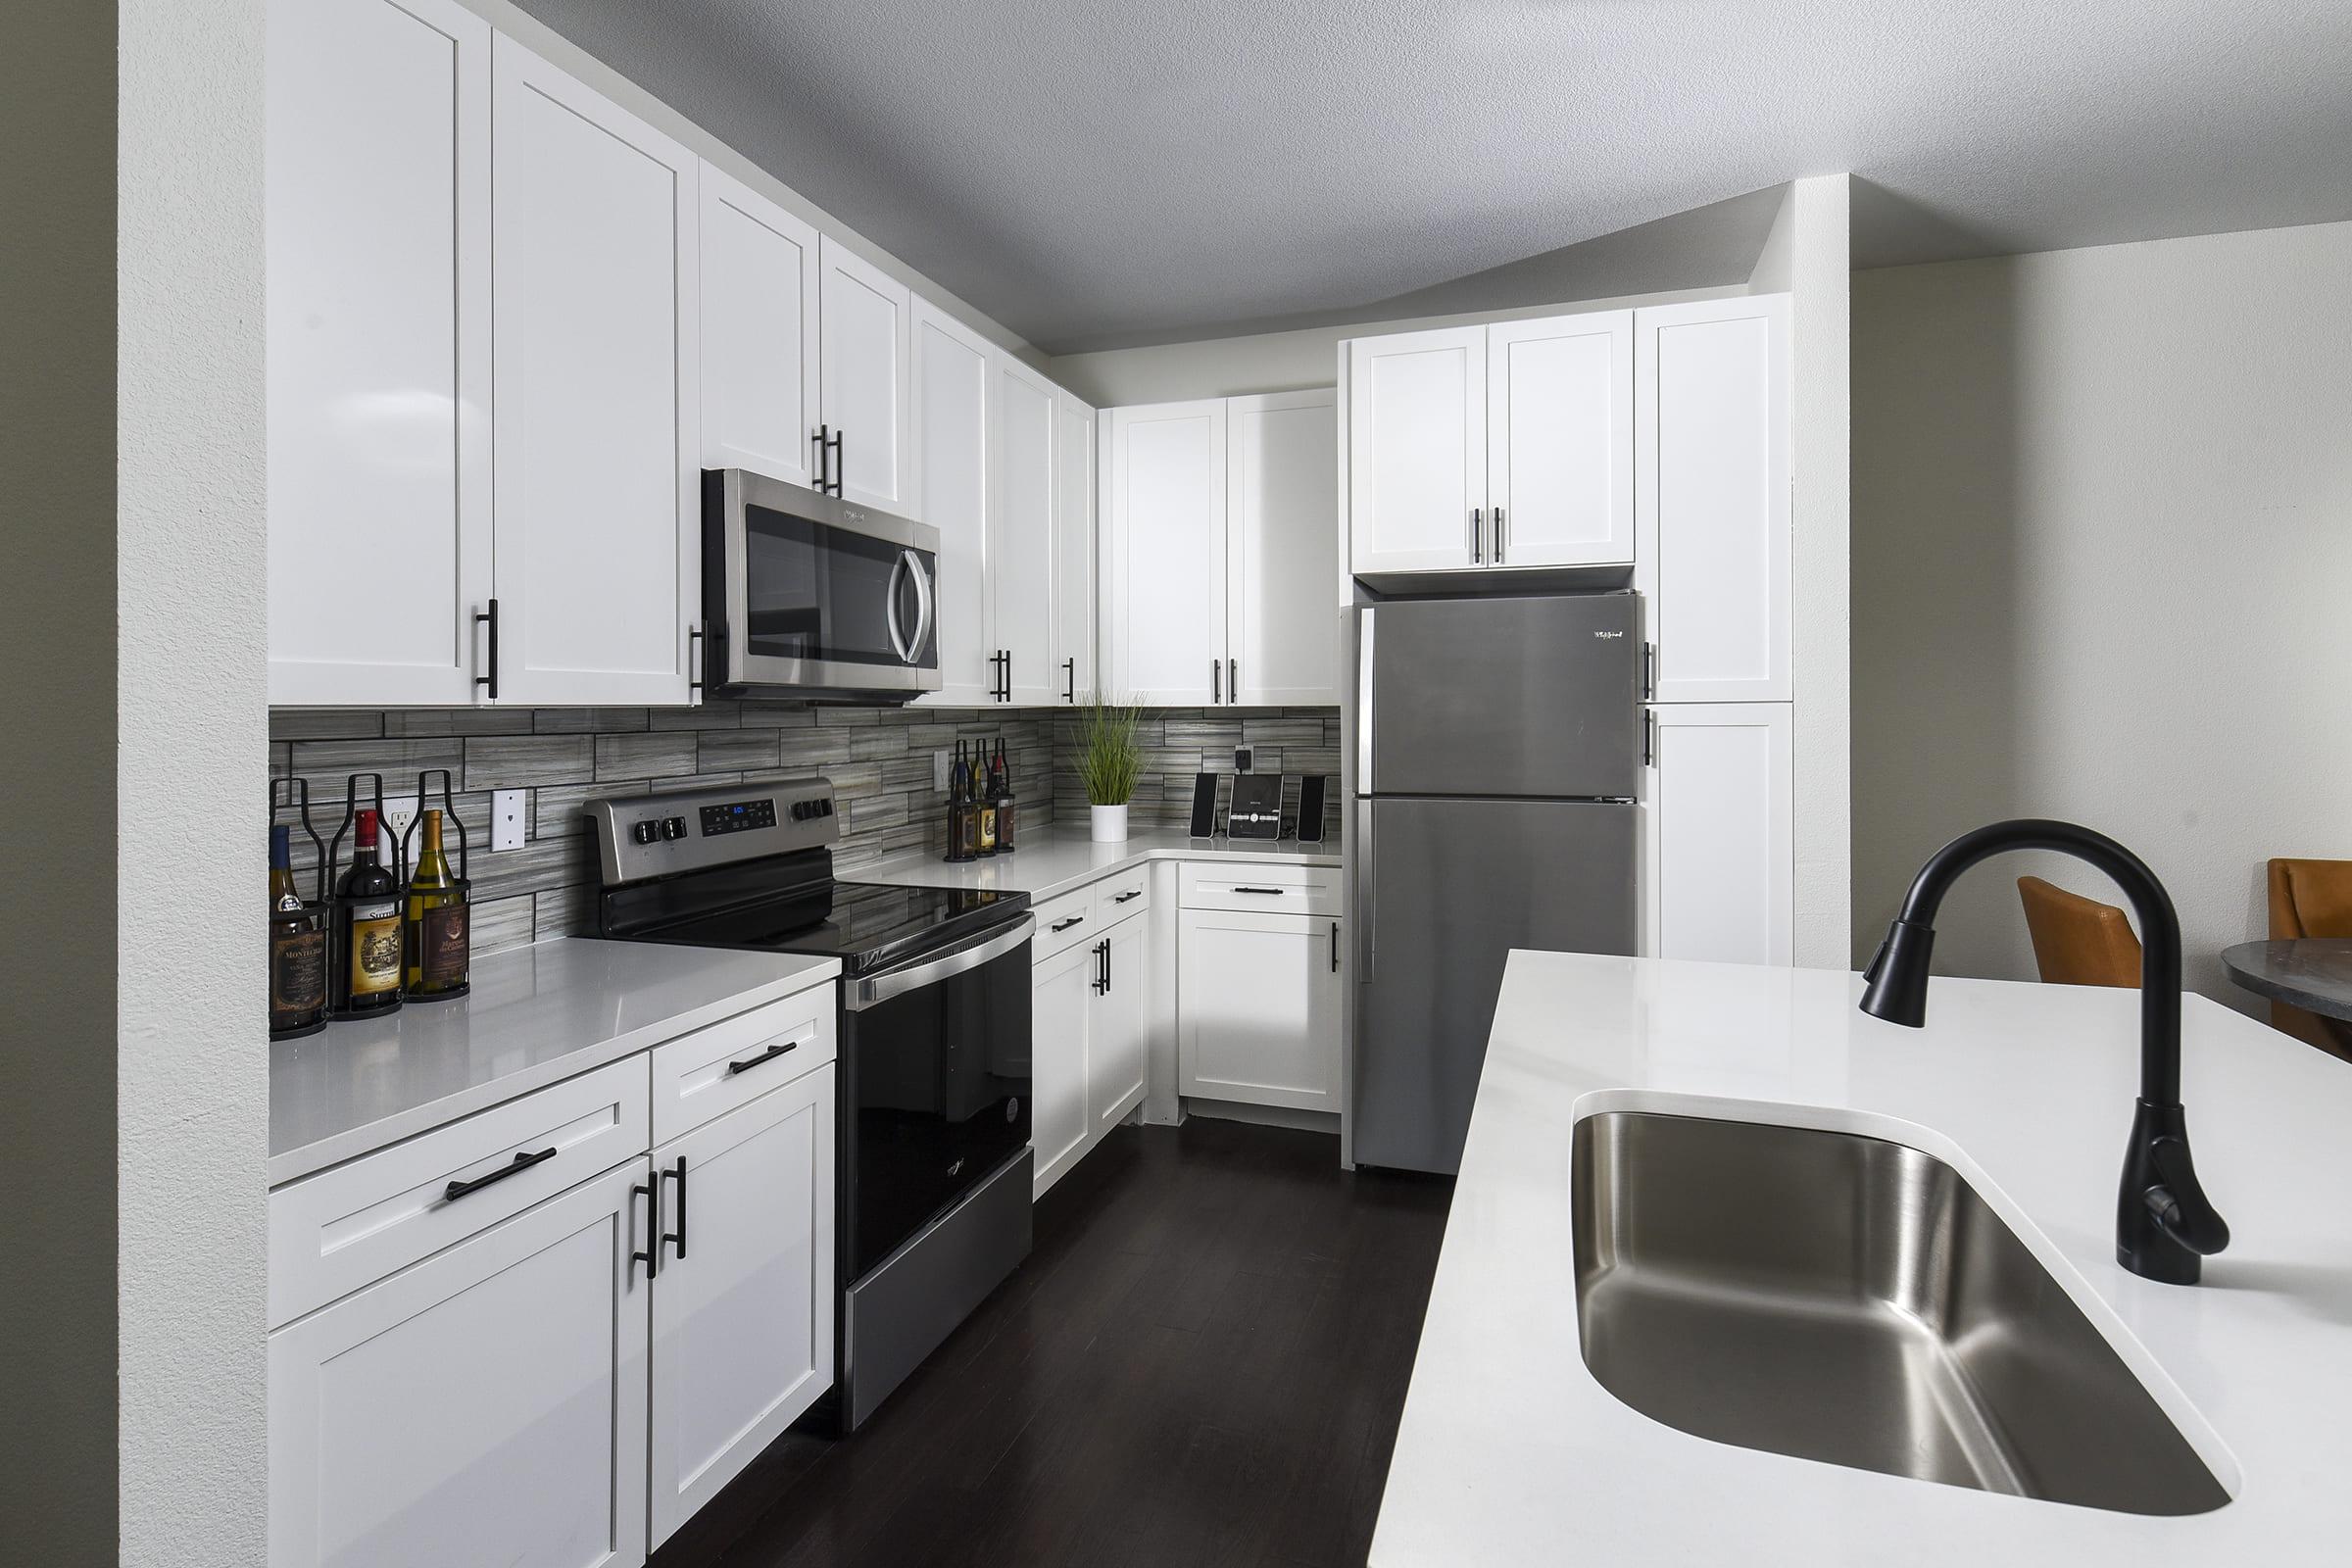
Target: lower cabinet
{"x": 1257, "y": 1009}
{"x": 1087, "y": 1026}
{"x": 486, "y": 1405}
{"x": 743, "y": 1304}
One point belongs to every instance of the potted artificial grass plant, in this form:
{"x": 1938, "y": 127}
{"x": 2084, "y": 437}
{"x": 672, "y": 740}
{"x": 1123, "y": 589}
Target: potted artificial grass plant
{"x": 1109, "y": 762}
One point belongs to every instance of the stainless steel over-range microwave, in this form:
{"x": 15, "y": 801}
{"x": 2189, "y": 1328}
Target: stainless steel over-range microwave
{"x": 807, "y": 594}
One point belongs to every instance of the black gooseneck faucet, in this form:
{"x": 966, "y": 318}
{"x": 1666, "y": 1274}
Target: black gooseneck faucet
{"x": 2164, "y": 1224}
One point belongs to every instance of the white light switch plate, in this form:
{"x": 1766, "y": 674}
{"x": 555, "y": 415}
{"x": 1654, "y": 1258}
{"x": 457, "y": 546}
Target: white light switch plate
{"x": 505, "y": 819}
{"x": 939, "y": 771}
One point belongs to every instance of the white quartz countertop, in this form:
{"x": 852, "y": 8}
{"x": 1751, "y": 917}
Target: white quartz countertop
{"x": 534, "y": 1015}
{"x": 1510, "y": 1453}
{"x": 1058, "y": 857}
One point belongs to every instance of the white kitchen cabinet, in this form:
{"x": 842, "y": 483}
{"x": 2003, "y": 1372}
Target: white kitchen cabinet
{"x": 1117, "y": 1027}
{"x": 1061, "y": 994}
{"x": 865, "y": 329}
{"x": 1257, "y": 1009}
{"x": 377, "y": 315}
{"x": 1163, "y": 557}
{"x": 743, "y": 1305}
{"x": 952, "y": 375}
{"x": 757, "y": 332}
{"x": 487, "y": 1405}
{"x": 1087, "y": 1024}
{"x": 1560, "y": 441}
{"x": 597, "y": 423}
{"x": 1712, "y": 497}
{"x": 1073, "y": 549}
{"x": 1021, "y": 482}
{"x": 1417, "y": 449}
{"x": 1281, "y": 549}
{"x": 1718, "y": 830}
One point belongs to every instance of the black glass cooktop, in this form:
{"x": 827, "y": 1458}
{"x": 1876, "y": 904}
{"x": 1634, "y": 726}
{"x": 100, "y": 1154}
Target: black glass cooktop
{"x": 866, "y": 925}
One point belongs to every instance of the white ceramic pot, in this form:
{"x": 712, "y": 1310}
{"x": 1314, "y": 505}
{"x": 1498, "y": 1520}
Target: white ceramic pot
{"x": 1109, "y": 823}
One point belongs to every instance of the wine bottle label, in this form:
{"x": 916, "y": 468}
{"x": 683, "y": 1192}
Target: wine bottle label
{"x": 297, "y": 977}
{"x": 375, "y": 949}
{"x": 442, "y": 945}
{"x": 987, "y": 827}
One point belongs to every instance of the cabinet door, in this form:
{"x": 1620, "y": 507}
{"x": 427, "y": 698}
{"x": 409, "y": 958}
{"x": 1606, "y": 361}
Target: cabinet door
{"x": 950, "y": 439}
{"x": 1719, "y": 834}
{"x": 1417, "y": 449}
{"x": 486, "y": 1405}
{"x": 1115, "y": 1037}
{"x": 1560, "y": 440}
{"x": 1257, "y": 1009}
{"x": 1163, "y": 571}
{"x": 1712, "y": 497}
{"x": 1073, "y": 550}
{"x": 743, "y": 1309}
{"x": 863, "y": 358}
{"x": 759, "y": 333}
{"x": 377, "y": 323}
{"x": 598, "y": 544}
{"x": 1021, "y": 528}
{"x": 1282, "y": 549}
{"x": 1060, "y": 1007}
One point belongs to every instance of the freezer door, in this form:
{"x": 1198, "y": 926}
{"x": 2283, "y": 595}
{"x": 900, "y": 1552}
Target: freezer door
{"x": 1518, "y": 697}
{"x": 1446, "y": 889}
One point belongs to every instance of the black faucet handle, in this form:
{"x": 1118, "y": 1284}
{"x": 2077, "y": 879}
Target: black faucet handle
{"x": 2180, "y": 1203}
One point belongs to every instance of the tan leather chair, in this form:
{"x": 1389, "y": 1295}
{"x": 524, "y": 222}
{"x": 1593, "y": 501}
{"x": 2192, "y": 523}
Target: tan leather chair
{"x": 2077, "y": 941}
{"x": 2310, "y": 899}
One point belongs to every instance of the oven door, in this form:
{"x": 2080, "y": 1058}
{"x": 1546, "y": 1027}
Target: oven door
{"x": 806, "y": 591}
{"x": 936, "y": 1087}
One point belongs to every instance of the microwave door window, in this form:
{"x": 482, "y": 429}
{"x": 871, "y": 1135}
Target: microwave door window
{"x": 819, "y": 593}
{"x": 783, "y": 586}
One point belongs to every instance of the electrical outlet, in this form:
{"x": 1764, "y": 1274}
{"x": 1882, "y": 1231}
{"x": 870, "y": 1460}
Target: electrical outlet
{"x": 1241, "y": 759}
{"x": 399, "y": 812}
{"x": 939, "y": 771}
{"x": 505, "y": 819}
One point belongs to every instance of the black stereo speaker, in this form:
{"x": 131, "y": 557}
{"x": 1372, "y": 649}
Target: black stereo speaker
{"x": 1205, "y": 806}
{"x": 1311, "y": 807}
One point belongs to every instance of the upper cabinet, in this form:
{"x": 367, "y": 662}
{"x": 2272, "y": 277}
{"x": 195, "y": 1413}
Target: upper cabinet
{"x": 1219, "y": 579}
{"x": 1509, "y": 445}
{"x": 759, "y": 333}
{"x": 1021, "y": 487}
{"x": 864, "y": 403}
{"x": 378, "y": 349}
{"x": 597, "y": 420}
{"x": 1712, "y": 497}
{"x": 952, "y": 376}
{"x": 1074, "y": 548}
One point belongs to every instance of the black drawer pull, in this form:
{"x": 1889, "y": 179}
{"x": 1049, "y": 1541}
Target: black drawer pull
{"x": 1275, "y": 893}
{"x": 651, "y": 1257}
{"x": 1064, "y": 926}
{"x": 522, "y": 1162}
{"x": 1131, "y": 893}
{"x": 676, "y": 1238}
{"x": 762, "y": 1060}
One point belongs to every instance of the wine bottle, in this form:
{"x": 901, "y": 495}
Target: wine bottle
{"x": 297, "y": 948}
{"x": 435, "y": 939}
{"x": 986, "y": 801}
{"x": 963, "y": 823}
{"x": 368, "y": 937}
{"x": 1006, "y": 807}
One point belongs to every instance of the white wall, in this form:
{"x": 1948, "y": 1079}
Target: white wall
{"x": 2103, "y": 570}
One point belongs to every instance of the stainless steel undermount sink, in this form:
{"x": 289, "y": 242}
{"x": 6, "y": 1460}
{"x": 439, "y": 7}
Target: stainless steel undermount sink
{"x": 1850, "y": 1299}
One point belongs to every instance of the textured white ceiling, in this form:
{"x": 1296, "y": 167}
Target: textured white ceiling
{"x": 1097, "y": 172}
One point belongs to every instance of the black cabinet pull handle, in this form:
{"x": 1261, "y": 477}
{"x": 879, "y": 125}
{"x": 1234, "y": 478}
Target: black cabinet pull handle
{"x": 1478, "y": 535}
{"x": 1009, "y": 674}
{"x": 1064, "y": 926}
{"x": 521, "y": 1163}
{"x": 841, "y": 461}
{"x": 1101, "y": 953}
{"x": 1131, "y": 893}
{"x": 1650, "y": 671}
{"x": 824, "y": 453}
{"x": 694, "y": 668}
{"x": 1499, "y": 536}
{"x": 1335, "y": 946}
{"x": 651, "y": 1257}
{"x": 491, "y": 619}
{"x": 1269, "y": 892}
{"x": 761, "y": 1060}
{"x": 1069, "y": 680}
{"x": 1233, "y": 680}
{"x": 676, "y": 1238}
{"x": 1106, "y": 967}
{"x": 1217, "y": 680}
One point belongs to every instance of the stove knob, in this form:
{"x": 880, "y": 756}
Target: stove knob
{"x": 674, "y": 828}
{"x": 824, "y": 808}
{"x": 645, "y": 832}
{"x": 800, "y": 810}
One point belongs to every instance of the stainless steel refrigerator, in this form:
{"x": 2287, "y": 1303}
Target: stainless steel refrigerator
{"x": 1497, "y": 756}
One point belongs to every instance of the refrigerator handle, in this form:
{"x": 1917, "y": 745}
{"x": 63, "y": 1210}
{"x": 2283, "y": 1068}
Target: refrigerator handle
{"x": 1364, "y": 702}
{"x": 1367, "y": 893}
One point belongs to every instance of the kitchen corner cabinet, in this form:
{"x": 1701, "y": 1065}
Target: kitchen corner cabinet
{"x": 378, "y": 327}
{"x": 1504, "y": 445}
{"x": 865, "y": 321}
{"x": 1718, "y": 833}
{"x": 1258, "y": 1000}
{"x": 1713, "y": 497}
{"x": 487, "y": 1405}
{"x": 1219, "y": 584}
{"x": 757, "y": 332}
{"x": 1088, "y": 1021}
{"x": 1073, "y": 549}
{"x": 597, "y": 423}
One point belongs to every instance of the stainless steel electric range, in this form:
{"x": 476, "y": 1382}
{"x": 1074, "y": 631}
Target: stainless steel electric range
{"x": 933, "y": 1075}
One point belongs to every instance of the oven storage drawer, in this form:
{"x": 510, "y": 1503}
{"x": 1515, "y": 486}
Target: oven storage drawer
{"x": 1268, "y": 887}
{"x": 350, "y": 1226}
{"x": 1066, "y": 921}
{"x": 729, "y": 1063}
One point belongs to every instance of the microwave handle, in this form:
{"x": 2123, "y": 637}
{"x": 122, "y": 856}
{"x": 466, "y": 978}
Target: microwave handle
{"x": 924, "y": 603}
{"x": 890, "y": 609}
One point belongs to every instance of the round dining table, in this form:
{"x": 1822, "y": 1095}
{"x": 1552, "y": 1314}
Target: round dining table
{"x": 2313, "y": 973}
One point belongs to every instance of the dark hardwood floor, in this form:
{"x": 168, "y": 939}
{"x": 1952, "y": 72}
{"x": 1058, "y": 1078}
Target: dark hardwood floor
{"x": 1202, "y": 1362}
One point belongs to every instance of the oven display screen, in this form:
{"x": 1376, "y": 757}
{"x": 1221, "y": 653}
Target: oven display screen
{"x": 737, "y": 815}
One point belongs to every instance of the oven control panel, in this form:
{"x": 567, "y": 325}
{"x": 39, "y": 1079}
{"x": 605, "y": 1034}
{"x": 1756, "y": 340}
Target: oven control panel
{"x": 642, "y": 836}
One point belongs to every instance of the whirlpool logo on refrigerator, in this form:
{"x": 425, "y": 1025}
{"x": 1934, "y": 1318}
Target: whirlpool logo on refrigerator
{"x": 1606, "y": 634}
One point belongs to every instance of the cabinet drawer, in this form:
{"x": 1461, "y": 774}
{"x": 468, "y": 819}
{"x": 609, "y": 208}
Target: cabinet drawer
{"x": 1264, "y": 889}
{"x": 713, "y": 1070}
{"x": 1119, "y": 897}
{"x": 331, "y": 1233}
{"x": 1064, "y": 922}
